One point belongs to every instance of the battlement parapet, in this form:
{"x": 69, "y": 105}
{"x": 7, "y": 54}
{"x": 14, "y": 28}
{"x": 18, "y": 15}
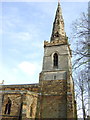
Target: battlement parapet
{"x": 55, "y": 42}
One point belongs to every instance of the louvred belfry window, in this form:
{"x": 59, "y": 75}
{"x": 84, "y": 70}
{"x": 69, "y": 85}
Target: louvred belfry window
{"x": 55, "y": 60}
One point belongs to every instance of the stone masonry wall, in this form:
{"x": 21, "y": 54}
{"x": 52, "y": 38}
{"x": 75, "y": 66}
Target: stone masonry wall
{"x": 53, "y": 99}
{"x": 21, "y": 104}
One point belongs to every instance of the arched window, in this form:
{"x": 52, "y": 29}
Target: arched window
{"x": 8, "y": 106}
{"x": 55, "y": 60}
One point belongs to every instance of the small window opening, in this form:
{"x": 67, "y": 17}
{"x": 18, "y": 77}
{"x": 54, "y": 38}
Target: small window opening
{"x": 2, "y": 98}
{"x": 56, "y": 34}
{"x": 31, "y": 111}
{"x": 54, "y": 77}
{"x": 8, "y": 106}
{"x": 55, "y": 62}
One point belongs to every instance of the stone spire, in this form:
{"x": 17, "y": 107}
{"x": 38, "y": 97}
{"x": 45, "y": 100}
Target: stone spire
{"x": 58, "y": 32}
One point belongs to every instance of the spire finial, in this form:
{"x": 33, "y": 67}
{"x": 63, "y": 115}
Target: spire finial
{"x": 58, "y": 2}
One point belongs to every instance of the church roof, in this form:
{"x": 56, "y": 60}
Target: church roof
{"x": 22, "y": 85}
{"x": 30, "y": 87}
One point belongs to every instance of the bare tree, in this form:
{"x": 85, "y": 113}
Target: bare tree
{"x": 81, "y": 89}
{"x": 81, "y": 31}
{"x": 81, "y": 60}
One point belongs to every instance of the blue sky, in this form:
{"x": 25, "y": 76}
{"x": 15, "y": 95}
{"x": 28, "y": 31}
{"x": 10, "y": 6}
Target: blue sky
{"x": 25, "y": 26}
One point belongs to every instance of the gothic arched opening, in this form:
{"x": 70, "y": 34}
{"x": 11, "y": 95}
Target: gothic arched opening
{"x": 55, "y": 60}
{"x": 8, "y": 106}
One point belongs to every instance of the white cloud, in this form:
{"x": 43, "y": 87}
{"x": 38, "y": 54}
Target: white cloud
{"x": 15, "y": 70}
{"x": 28, "y": 68}
{"x": 23, "y": 36}
{"x": 23, "y": 73}
{"x": 19, "y": 37}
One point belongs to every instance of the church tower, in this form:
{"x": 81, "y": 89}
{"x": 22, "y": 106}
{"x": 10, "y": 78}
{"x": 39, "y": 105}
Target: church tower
{"x": 56, "y": 84}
